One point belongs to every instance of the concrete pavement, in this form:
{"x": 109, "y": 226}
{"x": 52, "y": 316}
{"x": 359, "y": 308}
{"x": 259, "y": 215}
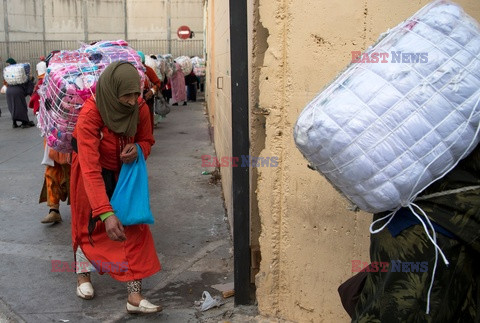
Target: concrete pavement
{"x": 190, "y": 232}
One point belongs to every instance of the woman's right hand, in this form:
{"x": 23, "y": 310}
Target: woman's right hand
{"x": 114, "y": 228}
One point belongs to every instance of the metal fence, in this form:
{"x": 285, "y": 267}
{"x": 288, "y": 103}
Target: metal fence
{"x": 30, "y": 51}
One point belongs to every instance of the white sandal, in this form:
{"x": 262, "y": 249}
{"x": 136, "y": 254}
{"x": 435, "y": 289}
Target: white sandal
{"x": 144, "y": 307}
{"x": 85, "y": 290}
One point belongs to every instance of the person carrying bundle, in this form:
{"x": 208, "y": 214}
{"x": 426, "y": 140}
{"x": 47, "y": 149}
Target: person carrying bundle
{"x": 109, "y": 128}
{"x": 178, "y": 86}
{"x": 16, "y": 102}
{"x": 399, "y": 294}
{"x": 56, "y": 184}
{"x": 151, "y": 87}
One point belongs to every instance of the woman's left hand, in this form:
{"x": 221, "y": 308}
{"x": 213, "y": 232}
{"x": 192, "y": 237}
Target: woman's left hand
{"x": 129, "y": 154}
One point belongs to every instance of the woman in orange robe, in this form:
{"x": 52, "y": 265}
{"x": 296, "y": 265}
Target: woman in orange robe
{"x": 57, "y": 167}
{"x": 107, "y": 129}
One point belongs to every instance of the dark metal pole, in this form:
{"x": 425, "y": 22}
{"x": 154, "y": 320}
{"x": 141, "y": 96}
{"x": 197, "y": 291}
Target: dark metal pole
{"x": 240, "y": 147}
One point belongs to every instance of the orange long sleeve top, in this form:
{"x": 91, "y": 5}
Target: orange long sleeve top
{"x": 98, "y": 148}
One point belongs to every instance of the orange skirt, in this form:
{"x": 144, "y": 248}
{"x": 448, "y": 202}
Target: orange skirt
{"x": 133, "y": 259}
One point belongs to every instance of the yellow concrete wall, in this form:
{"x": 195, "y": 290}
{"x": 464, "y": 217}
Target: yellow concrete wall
{"x": 308, "y": 237}
{"x": 210, "y": 83}
{"x": 257, "y": 36}
{"x": 218, "y": 89}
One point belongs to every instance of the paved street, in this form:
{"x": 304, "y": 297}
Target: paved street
{"x": 190, "y": 232}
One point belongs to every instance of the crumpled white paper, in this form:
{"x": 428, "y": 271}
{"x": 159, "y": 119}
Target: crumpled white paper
{"x": 208, "y": 302}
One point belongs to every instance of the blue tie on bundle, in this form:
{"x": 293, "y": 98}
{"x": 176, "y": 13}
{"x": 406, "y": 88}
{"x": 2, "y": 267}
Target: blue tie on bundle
{"x": 131, "y": 200}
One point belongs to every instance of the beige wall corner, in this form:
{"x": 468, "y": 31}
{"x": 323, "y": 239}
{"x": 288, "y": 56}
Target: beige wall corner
{"x": 308, "y": 236}
{"x": 218, "y": 90}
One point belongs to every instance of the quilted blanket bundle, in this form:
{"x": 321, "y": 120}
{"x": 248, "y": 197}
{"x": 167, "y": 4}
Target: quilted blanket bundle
{"x": 402, "y": 114}
{"x": 16, "y": 74}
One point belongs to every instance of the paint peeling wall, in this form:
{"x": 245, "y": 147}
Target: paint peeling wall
{"x": 308, "y": 237}
{"x": 257, "y": 36}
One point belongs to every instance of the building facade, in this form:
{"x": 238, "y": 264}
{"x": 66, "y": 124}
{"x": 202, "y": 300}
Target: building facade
{"x": 31, "y": 28}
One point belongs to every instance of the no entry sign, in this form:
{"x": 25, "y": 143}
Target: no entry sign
{"x": 183, "y": 32}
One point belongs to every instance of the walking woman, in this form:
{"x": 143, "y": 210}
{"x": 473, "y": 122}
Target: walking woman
{"x": 108, "y": 127}
{"x": 16, "y": 103}
{"x": 178, "y": 86}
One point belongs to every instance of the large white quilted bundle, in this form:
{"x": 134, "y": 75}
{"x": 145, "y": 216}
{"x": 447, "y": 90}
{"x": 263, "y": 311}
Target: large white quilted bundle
{"x": 16, "y": 74}
{"x": 382, "y": 132}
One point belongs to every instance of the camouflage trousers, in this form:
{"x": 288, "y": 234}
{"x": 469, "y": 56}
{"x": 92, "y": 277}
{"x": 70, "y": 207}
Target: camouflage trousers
{"x": 397, "y": 291}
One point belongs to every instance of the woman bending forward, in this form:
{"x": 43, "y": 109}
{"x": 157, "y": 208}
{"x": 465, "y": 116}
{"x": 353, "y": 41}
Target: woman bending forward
{"x": 107, "y": 129}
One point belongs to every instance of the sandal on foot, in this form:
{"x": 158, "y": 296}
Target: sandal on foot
{"x": 144, "y": 307}
{"x": 85, "y": 290}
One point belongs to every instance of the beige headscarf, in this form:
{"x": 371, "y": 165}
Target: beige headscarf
{"x": 118, "y": 79}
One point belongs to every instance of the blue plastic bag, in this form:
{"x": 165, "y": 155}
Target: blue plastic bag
{"x": 131, "y": 199}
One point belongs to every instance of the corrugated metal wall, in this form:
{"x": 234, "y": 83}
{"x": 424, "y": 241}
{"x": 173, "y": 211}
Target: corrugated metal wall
{"x": 30, "y": 51}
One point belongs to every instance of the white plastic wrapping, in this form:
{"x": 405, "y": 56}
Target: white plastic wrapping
{"x": 169, "y": 65}
{"x": 154, "y": 64}
{"x": 198, "y": 64}
{"x": 185, "y": 63}
{"x": 16, "y": 74}
{"x": 71, "y": 79}
{"x": 382, "y": 132}
{"x": 162, "y": 65}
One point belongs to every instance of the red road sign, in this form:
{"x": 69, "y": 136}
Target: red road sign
{"x": 183, "y": 32}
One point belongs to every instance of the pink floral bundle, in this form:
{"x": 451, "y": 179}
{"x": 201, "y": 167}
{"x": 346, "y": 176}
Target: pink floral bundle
{"x": 71, "y": 79}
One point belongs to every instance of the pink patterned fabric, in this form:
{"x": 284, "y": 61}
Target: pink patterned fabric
{"x": 70, "y": 80}
{"x": 178, "y": 85}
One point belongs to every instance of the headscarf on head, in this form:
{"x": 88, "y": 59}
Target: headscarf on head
{"x": 118, "y": 79}
{"x": 41, "y": 69}
{"x": 11, "y": 61}
{"x": 142, "y": 56}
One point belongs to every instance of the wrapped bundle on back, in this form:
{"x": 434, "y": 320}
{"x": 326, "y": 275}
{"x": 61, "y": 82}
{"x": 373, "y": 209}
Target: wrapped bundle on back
{"x": 154, "y": 64}
{"x": 402, "y": 114}
{"x": 198, "y": 66}
{"x": 16, "y": 74}
{"x": 70, "y": 80}
{"x": 162, "y": 66}
{"x": 185, "y": 63}
{"x": 169, "y": 65}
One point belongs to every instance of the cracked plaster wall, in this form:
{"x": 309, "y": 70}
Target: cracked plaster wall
{"x": 308, "y": 237}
